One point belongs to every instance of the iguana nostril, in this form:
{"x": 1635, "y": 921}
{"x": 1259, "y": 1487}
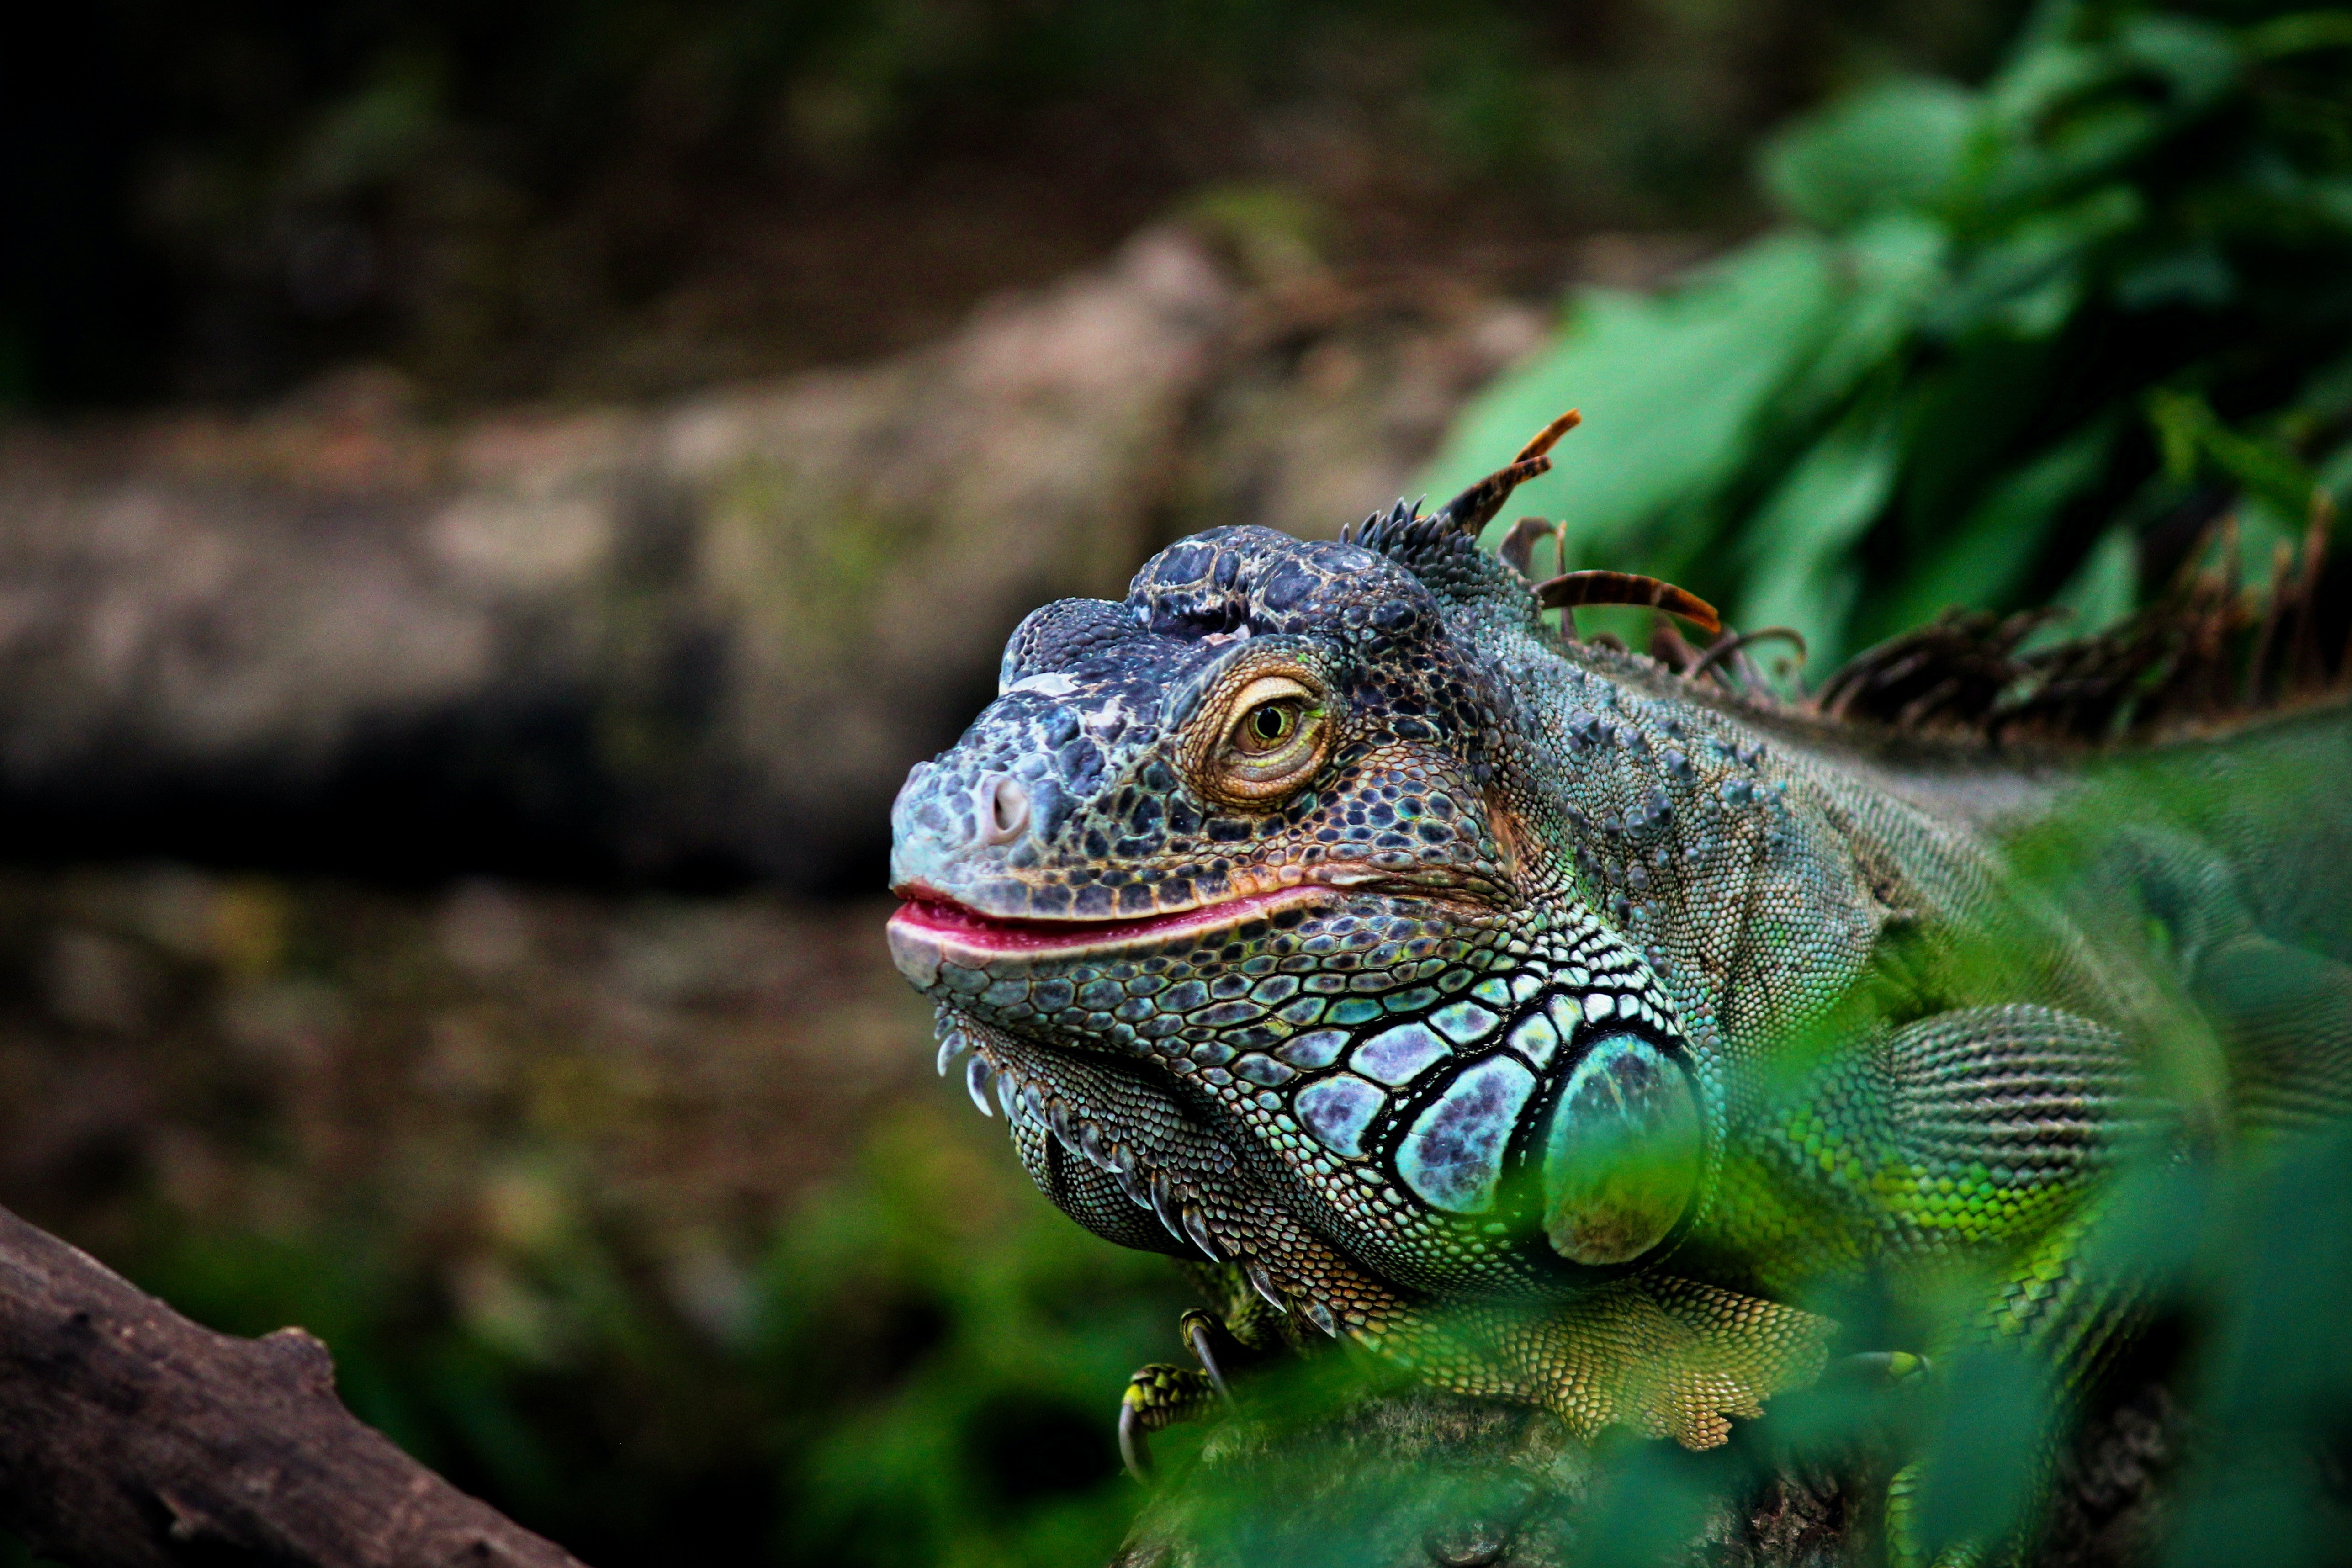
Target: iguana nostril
{"x": 1001, "y": 807}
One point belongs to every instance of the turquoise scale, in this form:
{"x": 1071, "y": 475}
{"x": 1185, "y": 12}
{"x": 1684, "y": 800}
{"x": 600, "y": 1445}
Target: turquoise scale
{"x": 1396, "y": 1056}
{"x": 1453, "y": 1157}
{"x": 1337, "y": 1109}
{"x": 1620, "y": 1153}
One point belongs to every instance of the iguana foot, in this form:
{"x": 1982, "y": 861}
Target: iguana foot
{"x": 1158, "y": 1396}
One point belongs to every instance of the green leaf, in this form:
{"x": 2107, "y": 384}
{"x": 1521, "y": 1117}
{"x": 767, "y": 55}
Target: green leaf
{"x": 1671, "y": 387}
{"x": 2045, "y": 72}
{"x": 1901, "y": 143}
{"x": 2196, "y": 59}
{"x": 1801, "y": 539}
{"x": 2030, "y": 282}
{"x": 2196, "y": 274}
{"x": 2100, "y": 594}
{"x": 2192, "y": 437}
{"x": 2335, "y": 477}
{"x": 2296, "y": 34}
{"x": 1893, "y": 270}
{"x": 2327, "y": 392}
{"x": 1986, "y": 558}
{"x": 2066, "y": 115}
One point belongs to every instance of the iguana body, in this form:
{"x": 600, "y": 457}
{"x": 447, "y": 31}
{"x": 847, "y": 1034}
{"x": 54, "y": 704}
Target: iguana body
{"x": 1538, "y": 1018}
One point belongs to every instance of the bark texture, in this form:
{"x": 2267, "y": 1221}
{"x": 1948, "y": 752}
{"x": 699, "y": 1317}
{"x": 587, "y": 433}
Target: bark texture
{"x": 131, "y": 1437}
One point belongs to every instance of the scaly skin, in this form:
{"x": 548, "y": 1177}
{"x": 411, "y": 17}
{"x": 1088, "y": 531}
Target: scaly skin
{"x": 1505, "y": 1003}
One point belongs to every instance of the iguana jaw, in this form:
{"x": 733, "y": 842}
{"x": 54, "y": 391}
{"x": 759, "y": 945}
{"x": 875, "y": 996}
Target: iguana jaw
{"x": 931, "y": 929}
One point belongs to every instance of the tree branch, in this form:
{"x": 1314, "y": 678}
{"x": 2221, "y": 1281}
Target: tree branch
{"x": 131, "y": 1437}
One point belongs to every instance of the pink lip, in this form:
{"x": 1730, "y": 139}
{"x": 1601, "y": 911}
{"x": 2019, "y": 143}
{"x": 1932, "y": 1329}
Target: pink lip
{"x": 949, "y": 928}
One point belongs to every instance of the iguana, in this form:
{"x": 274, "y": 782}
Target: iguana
{"x": 1553, "y": 1022}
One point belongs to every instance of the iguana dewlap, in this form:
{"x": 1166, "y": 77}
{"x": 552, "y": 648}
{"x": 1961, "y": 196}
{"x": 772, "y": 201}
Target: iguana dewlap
{"x": 1529, "y": 1015}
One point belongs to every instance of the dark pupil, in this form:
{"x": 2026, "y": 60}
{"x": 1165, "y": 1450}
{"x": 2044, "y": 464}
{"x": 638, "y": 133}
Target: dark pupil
{"x": 1270, "y": 722}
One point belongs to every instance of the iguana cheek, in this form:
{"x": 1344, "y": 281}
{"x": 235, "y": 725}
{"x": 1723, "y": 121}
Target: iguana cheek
{"x": 1510, "y": 838}
{"x": 1621, "y": 1154}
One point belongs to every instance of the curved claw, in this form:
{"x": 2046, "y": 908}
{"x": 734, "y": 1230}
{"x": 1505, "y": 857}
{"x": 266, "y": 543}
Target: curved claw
{"x": 1134, "y": 1440}
{"x": 1158, "y": 1396}
{"x": 952, "y": 1045}
{"x": 1199, "y": 1339}
{"x": 1163, "y": 1203}
{"x": 1196, "y": 1226}
{"x": 1263, "y": 1285}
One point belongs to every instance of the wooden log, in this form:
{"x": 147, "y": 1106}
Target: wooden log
{"x": 131, "y": 1437}
{"x": 700, "y": 637}
{"x": 708, "y": 633}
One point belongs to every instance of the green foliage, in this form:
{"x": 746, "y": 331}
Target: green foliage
{"x": 946, "y": 1355}
{"x": 2011, "y": 345}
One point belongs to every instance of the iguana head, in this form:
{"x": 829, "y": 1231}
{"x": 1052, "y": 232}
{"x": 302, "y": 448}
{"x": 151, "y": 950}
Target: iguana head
{"x": 1263, "y": 726}
{"x": 1270, "y": 854}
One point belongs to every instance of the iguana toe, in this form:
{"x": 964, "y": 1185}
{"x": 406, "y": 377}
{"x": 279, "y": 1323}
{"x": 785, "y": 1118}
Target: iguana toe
{"x": 1202, "y": 1334}
{"x": 1158, "y": 1396}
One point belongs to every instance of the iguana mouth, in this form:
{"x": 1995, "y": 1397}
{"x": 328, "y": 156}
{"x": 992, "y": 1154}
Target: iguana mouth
{"x": 930, "y": 929}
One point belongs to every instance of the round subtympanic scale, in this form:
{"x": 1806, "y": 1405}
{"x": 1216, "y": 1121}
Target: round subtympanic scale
{"x": 1620, "y": 1154}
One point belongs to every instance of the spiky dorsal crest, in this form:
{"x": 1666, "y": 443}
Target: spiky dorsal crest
{"x": 2206, "y": 652}
{"x": 1571, "y": 589}
{"x": 1411, "y": 540}
{"x": 2203, "y": 650}
{"x": 1404, "y": 531}
{"x": 1475, "y": 507}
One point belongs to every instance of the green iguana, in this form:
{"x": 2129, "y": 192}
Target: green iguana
{"x": 1552, "y": 1022}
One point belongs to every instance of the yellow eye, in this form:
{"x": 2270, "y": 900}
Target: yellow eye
{"x": 1269, "y": 744}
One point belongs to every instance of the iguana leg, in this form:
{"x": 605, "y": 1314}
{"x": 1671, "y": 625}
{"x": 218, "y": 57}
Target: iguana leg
{"x": 1666, "y": 1356}
{"x": 2000, "y": 1123}
{"x": 1964, "y": 1134}
{"x": 2052, "y": 1305}
{"x": 1903, "y": 1549}
{"x": 2260, "y": 951}
{"x": 2285, "y": 1015}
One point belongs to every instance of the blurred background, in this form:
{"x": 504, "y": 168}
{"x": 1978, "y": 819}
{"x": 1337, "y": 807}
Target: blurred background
{"x": 494, "y": 497}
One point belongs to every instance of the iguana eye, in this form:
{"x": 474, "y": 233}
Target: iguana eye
{"x": 1268, "y": 725}
{"x": 1272, "y": 739}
